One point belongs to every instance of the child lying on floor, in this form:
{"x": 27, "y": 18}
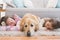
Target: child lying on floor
{"x": 10, "y": 22}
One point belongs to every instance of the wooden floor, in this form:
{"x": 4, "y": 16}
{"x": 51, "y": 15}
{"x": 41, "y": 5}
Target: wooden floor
{"x": 32, "y": 38}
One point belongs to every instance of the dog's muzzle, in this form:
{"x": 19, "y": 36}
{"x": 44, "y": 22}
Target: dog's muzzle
{"x": 28, "y": 33}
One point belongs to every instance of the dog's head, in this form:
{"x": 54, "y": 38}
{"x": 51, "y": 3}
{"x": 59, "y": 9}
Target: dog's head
{"x": 29, "y": 25}
{"x": 51, "y": 24}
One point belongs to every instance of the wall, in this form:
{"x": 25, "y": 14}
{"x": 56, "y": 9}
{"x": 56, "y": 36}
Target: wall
{"x": 39, "y": 3}
{"x": 43, "y": 12}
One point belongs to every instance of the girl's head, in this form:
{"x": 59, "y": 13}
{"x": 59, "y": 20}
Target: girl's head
{"x": 51, "y": 24}
{"x": 8, "y": 21}
{"x": 48, "y": 24}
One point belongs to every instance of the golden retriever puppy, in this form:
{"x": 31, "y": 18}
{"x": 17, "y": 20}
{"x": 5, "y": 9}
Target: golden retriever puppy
{"x": 29, "y": 24}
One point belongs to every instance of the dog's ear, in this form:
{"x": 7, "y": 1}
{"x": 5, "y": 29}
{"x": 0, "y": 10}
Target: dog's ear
{"x": 22, "y": 25}
{"x": 22, "y": 29}
{"x": 36, "y": 28}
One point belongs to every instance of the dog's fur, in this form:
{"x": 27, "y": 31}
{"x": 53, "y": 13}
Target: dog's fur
{"x": 29, "y": 24}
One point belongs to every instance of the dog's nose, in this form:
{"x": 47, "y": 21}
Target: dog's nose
{"x": 28, "y": 33}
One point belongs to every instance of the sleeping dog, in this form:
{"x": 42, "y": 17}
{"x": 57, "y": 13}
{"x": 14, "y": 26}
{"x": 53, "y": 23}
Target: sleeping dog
{"x": 29, "y": 24}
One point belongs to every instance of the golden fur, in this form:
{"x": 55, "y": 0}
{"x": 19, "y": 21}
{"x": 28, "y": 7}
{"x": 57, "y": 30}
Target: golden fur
{"x": 29, "y": 20}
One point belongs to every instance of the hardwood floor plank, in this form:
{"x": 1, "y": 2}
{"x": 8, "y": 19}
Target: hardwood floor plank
{"x": 32, "y": 38}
